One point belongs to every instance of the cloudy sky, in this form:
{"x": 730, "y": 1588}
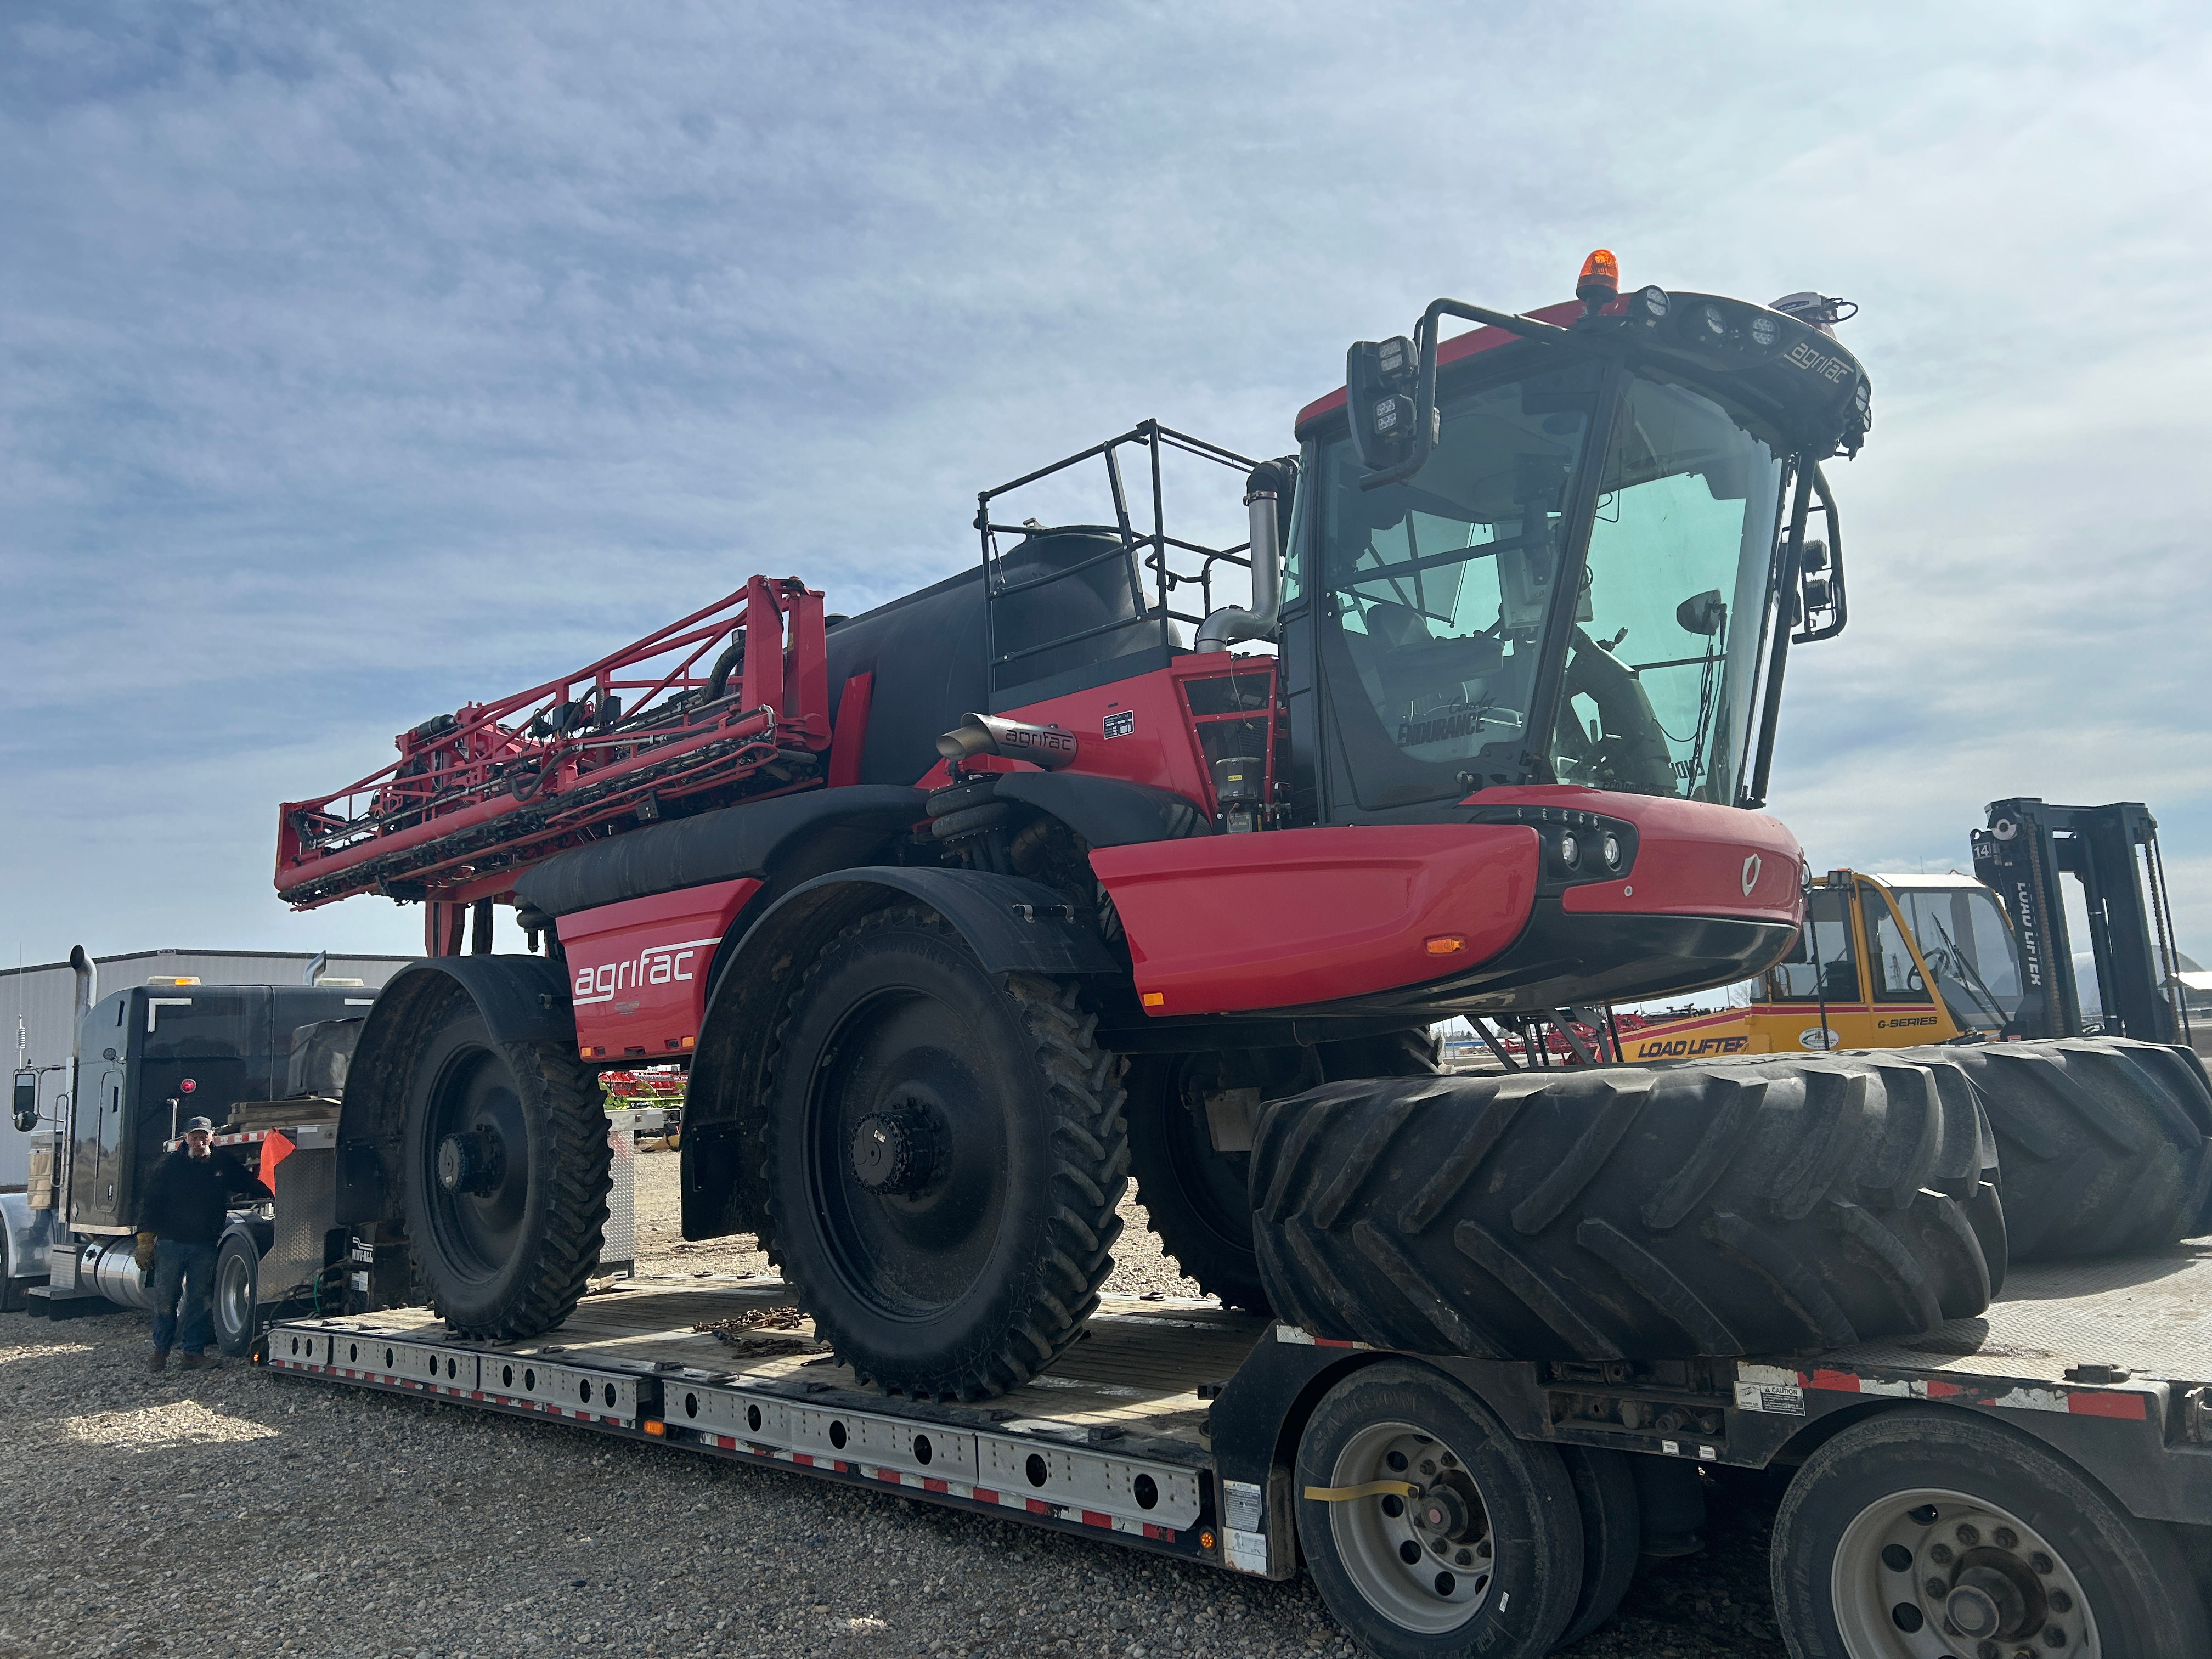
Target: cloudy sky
{"x": 354, "y": 361}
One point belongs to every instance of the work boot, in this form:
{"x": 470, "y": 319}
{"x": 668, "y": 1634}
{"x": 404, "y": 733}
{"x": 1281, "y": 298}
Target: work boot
{"x": 158, "y": 1360}
{"x": 199, "y": 1361}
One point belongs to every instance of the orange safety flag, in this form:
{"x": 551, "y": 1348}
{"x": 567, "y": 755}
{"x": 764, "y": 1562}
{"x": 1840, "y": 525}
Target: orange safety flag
{"x": 275, "y": 1149}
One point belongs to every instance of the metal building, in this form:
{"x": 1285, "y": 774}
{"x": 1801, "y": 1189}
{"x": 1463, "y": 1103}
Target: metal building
{"x": 36, "y": 1003}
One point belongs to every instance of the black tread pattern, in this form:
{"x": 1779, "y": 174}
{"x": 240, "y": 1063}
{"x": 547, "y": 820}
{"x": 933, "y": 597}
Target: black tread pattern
{"x": 1059, "y": 1289}
{"x": 2103, "y": 1144}
{"x": 1187, "y": 1239}
{"x": 1787, "y": 1205}
{"x": 563, "y": 1094}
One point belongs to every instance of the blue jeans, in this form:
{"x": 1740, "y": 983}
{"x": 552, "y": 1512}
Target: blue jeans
{"x": 185, "y": 1270}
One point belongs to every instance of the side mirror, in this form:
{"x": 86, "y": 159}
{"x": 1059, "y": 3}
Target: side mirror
{"x": 1701, "y": 613}
{"x": 25, "y": 1111}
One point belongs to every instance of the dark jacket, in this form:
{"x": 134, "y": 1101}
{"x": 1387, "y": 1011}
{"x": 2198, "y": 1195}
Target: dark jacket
{"x": 187, "y": 1197}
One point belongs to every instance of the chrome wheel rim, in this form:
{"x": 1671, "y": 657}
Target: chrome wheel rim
{"x": 233, "y": 1295}
{"x": 1426, "y": 1562}
{"x": 1935, "y": 1574}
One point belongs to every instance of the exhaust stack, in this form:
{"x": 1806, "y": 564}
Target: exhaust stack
{"x": 1047, "y": 746}
{"x": 1270, "y": 482}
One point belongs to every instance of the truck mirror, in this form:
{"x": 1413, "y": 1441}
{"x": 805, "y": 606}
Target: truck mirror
{"x": 26, "y": 1100}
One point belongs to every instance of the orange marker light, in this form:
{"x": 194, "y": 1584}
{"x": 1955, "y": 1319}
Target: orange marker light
{"x": 1445, "y": 944}
{"x": 1154, "y": 999}
{"x": 1601, "y": 279}
{"x": 653, "y": 1426}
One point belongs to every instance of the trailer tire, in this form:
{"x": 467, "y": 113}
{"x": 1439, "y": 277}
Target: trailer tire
{"x": 2102, "y": 1141}
{"x": 2027, "y": 1538}
{"x": 945, "y": 1150}
{"x": 237, "y": 1292}
{"x": 1497, "y": 1579}
{"x": 1597, "y": 1214}
{"x": 520, "y": 1131}
{"x": 1613, "y": 1534}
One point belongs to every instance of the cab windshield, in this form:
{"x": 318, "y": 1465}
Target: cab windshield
{"x": 1967, "y": 944}
{"x": 1434, "y": 594}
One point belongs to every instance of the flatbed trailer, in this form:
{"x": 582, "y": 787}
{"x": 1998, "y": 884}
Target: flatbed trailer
{"x": 1175, "y": 1427}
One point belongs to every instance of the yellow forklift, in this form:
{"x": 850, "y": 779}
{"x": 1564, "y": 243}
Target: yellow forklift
{"x": 1893, "y": 961}
{"x": 1883, "y": 962}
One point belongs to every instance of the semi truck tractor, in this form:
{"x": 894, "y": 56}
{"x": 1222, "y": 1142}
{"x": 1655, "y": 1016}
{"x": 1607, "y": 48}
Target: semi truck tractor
{"x": 267, "y": 1064}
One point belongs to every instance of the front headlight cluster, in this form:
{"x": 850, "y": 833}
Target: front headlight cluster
{"x": 1590, "y": 852}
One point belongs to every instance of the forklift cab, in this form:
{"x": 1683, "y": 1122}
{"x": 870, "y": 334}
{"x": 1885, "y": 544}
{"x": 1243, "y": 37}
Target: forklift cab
{"x": 1898, "y": 959}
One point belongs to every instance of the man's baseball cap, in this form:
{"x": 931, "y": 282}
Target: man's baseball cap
{"x": 194, "y": 1125}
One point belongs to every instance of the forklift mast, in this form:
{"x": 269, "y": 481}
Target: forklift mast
{"x": 2028, "y": 845}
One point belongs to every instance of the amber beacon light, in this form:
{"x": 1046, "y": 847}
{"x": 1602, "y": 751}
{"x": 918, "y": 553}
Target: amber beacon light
{"x": 1601, "y": 279}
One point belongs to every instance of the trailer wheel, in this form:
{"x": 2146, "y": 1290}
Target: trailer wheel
{"x": 505, "y": 1170}
{"x": 1613, "y": 1534}
{"x": 237, "y": 1292}
{"x": 1920, "y": 1534}
{"x": 1599, "y": 1213}
{"x": 2102, "y": 1141}
{"x": 946, "y": 1150}
{"x": 1430, "y": 1531}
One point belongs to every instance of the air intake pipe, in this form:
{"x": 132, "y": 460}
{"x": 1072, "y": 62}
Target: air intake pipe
{"x": 1270, "y": 485}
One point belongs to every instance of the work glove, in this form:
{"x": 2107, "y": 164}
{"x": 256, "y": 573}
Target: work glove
{"x": 143, "y": 1255}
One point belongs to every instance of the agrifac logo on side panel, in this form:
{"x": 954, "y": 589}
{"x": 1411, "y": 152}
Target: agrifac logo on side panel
{"x": 656, "y": 964}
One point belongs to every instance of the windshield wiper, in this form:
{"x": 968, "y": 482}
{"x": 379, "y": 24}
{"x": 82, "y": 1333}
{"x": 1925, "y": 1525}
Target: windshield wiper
{"x": 1967, "y": 975}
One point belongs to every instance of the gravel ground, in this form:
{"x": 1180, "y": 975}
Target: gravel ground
{"x": 236, "y": 1512}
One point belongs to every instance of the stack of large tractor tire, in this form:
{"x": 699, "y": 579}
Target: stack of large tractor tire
{"x": 2104, "y": 1145}
{"x": 1764, "y": 1204}
{"x": 1616, "y": 1212}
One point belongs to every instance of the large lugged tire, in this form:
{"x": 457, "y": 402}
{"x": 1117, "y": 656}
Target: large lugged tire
{"x": 2102, "y": 1141}
{"x": 945, "y": 1150}
{"x": 1197, "y": 1199}
{"x": 505, "y": 1172}
{"x": 1594, "y": 1214}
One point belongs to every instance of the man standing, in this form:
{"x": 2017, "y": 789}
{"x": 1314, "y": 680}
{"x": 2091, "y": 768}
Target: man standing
{"x": 179, "y": 1221}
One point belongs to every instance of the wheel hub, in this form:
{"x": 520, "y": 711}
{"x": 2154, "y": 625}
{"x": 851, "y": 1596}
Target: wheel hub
{"x": 472, "y": 1162}
{"x": 1442, "y": 1513}
{"x": 894, "y": 1153}
{"x": 1985, "y": 1602}
{"x": 1931, "y": 1574}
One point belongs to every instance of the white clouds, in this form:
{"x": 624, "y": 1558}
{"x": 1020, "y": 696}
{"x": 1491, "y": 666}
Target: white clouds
{"x": 360, "y": 363}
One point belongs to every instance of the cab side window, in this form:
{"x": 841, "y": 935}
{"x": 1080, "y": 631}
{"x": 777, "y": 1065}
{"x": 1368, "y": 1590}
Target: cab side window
{"x": 1831, "y": 973}
{"x": 1889, "y": 957}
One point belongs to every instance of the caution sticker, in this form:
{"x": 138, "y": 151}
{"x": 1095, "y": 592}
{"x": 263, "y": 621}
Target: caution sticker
{"x": 1781, "y": 1401}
